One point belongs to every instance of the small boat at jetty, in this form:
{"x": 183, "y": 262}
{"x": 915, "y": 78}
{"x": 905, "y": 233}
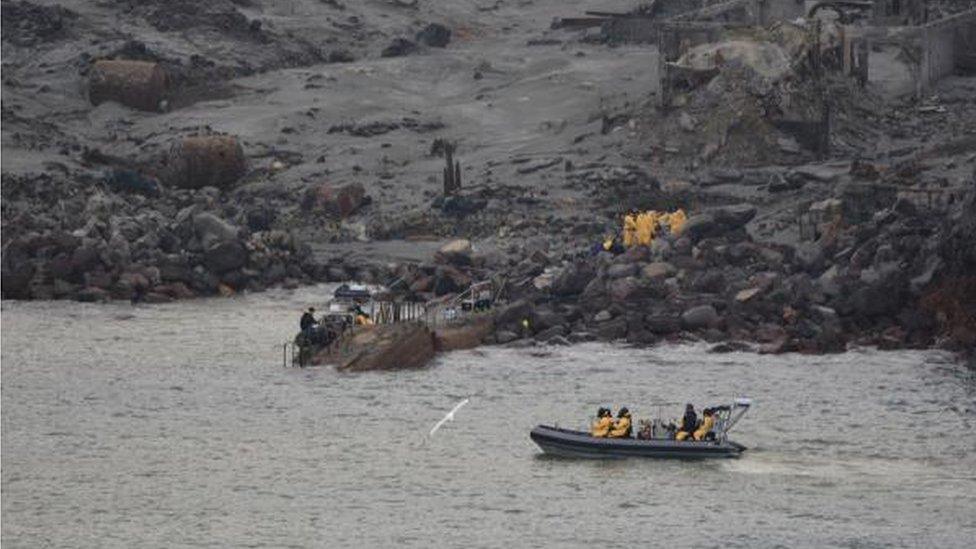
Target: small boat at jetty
{"x": 355, "y": 292}
{"x": 580, "y": 444}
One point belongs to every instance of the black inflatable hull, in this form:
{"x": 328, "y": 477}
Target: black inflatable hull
{"x": 577, "y": 444}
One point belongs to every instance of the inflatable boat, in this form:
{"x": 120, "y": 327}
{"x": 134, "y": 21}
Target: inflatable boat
{"x": 580, "y": 444}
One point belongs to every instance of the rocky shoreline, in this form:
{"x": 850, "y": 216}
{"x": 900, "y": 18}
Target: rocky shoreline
{"x": 165, "y": 169}
{"x": 894, "y": 282}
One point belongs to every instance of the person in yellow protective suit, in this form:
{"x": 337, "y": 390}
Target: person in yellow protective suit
{"x": 663, "y": 220}
{"x": 360, "y": 317}
{"x": 708, "y": 421}
{"x": 604, "y": 421}
{"x": 641, "y": 222}
{"x": 621, "y": 427}
{"x": 363, "y": 320}
{"x": 646, "y": 225}
{"x": 630, "y": 229}
{"x": 676, "y": 221}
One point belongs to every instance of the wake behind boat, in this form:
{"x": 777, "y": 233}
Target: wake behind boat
{"x": 656, "y": 443}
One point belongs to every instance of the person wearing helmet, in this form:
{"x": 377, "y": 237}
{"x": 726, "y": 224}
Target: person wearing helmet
{"x": 708, "y": 421}
{"x": 676, "y": 221}
{"x": 630, "y": 229}
{"x": 689, "y": 423}
{"x": 622, "y": 427}
{"x": 604, "y": 421}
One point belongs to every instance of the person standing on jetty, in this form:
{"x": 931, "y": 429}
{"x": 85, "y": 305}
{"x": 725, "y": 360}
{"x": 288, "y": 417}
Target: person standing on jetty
{"x": 308, "y": 320}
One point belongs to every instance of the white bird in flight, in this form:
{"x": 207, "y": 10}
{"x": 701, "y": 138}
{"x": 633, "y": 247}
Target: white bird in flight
{"x": 448, "y": 417}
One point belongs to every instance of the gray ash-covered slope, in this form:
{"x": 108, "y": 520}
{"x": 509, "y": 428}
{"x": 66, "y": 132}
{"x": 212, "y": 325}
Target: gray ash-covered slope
{"x": 283, "y": 80}
{"x": 282, "y": 141}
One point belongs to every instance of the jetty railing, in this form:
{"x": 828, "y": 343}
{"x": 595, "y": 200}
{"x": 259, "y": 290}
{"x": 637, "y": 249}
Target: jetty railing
{"x": 449, "y": 310}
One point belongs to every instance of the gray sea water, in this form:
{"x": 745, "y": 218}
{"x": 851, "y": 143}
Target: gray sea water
{"x": 176, "y": 426}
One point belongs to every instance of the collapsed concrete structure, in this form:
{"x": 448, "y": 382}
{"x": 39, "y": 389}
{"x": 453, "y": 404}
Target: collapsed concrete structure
{"x": 927, "y": 48}
{"x": 785, "y": 54}
{"x": 931, "y": 50}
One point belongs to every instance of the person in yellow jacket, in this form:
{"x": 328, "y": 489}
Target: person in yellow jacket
{"x": 646, "y": 223}
{"x": 621, "y": 427}
{"x": 604, "y": 421}
{"x": 708, "y": 421}
{"x": 630, "y": 229}
{"x": 663, "y": 220}
{"x": 676, "y": 221}
{"x": 360, "y": 317}
{"x": 363, "y": 320}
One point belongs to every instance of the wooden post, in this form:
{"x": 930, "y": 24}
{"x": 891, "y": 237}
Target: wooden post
{"x": 824, "y": 145}
{"x": 452, "y": 171}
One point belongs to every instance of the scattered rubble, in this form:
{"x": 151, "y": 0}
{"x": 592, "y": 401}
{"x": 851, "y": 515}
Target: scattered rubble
{"x": 823, "y": 211}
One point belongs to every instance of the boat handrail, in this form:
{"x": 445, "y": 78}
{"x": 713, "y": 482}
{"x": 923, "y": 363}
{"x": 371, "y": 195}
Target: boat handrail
{"x": 739, "y": 408}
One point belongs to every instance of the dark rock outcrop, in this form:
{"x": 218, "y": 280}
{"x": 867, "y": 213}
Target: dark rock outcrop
{"x": 434, "y": 35}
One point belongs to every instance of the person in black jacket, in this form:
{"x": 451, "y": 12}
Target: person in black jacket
{"x": 688, "y": 423}
{"x": 308, "y": 319}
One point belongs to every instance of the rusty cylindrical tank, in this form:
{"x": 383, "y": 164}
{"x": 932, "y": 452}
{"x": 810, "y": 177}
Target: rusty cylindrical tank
{"x": 137, "y": 84}
{"x": 211, "y": 160}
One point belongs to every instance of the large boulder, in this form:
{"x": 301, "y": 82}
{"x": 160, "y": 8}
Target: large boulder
{"x": 225, "y": 256}
{"x": 612, "y": 330}
{"x": 545, "y": 319}
{"x": 700, "y": 226}
{"x": 456, "y": 252}
{"x": 662, "y": 324}
{"x": 718, "y": 221}
{"x": 466, "y": 336}
{"x": 460, "y": 205}
{"x": 387, "y": 347}
{"x": 809, "y": 256}
{"x": 85, "y": 258}
{"x": 117, "y": 253}
{"x": 505, "y": 336}
{"x": 733, "y": 217}
{"x": 623, "y": 290}
{"x": 702, "y": 316}
{"x": 448, "y": 280}
{"x": 711, "y": 282}
{"x": 572, "y": 279}
{"x": 551, "y": 333}
{"x": 622, "y": 270}
{"x": 211, "y": 229}
{"x": 399, "y": 47}
{"x": 883, "y": 298}
{"x": 92, "y": 295}
{"x": 658, "y": 270}
{"x": 16, "y": 278}
{"x": 513, "y": 314}
{"x": 434, "y": 35}
{"x": 17, "y": 269}
{"x": 336, "y": 201}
